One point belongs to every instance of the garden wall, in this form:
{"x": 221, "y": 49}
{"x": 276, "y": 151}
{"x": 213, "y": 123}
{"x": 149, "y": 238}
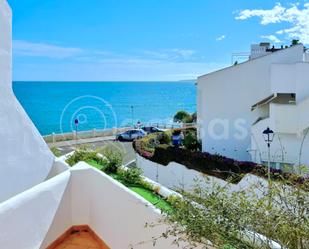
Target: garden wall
{"x": 176, "y": 176}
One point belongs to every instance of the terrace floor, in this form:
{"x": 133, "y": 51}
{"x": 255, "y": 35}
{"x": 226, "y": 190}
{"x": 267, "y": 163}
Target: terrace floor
{"x": 78, "y": 237}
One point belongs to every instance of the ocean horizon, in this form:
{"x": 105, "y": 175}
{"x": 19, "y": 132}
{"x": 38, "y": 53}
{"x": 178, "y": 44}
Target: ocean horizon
{"x": 54, "y": 105}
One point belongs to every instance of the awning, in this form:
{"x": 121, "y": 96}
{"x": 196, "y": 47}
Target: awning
{"x": 264, "y": 101}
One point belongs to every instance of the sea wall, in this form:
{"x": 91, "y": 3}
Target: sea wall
{"x": 25, "y": 159}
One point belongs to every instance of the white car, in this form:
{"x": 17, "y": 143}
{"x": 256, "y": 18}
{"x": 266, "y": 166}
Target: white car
{"x": 152, "y": 129}
{"x": 130, "y": 135}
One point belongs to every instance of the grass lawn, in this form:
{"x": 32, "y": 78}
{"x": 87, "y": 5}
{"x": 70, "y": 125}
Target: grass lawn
{"x": 95, "y": 164}
{"x": 153, "y": 198}
{"x": 147, "y": 194}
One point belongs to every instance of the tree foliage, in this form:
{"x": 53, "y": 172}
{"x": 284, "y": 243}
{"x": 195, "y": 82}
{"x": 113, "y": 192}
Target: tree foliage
{"x": 226, "y": 219}
{"x": 183, "y": 117}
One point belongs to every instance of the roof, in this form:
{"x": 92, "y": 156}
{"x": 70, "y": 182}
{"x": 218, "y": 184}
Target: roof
{"x": 252, "y": 60}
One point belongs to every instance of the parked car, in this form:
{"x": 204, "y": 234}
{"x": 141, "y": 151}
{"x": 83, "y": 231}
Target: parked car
{"x": 152, "y": 129}
{"x": 130, "y": 135}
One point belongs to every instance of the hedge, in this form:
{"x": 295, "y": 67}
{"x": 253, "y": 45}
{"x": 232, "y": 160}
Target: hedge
{"x": 211, "y": 164}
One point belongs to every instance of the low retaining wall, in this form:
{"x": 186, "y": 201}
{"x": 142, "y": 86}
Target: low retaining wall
{"x": 177, "y": 176}
{"x": 53, "y": 138}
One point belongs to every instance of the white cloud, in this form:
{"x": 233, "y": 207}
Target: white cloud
{"x": 268, "y": 16}
{"x": 25, "y": 48}
{"x": 91, "y": 64}
{"x": 272, "y": 38}
{"x": 295, "y": 16}
{"x": 36, "y": 49}
{"x": 220, "y": 38}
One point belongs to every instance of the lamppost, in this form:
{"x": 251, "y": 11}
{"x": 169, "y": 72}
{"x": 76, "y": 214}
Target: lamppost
{"x": 76, "y": 125}
{"x": 132, "y": 114}
{"x": 268, "y": 135}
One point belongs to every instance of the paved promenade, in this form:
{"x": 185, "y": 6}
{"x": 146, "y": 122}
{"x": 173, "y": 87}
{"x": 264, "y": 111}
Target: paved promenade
{"x": 125, "y": 148}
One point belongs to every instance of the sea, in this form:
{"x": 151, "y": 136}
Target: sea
{"x": 54, "y": 106}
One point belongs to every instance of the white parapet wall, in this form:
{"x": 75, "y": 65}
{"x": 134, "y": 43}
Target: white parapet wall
{"x": 26, "y": 218}
{"x": 82, "y": 195}
{"x": 114, "y": 212}
{"x": 25, "y": 158}
{"x": 177, "y": 176}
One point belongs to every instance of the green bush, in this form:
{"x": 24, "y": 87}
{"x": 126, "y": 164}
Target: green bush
{"x": 165, "y": 137}
{"x": 214, "y": 214}
{"x": 191, "y": 142}
{"x": 55, "y": 151}
{"x": 114, "y": 161}
{"x": 131, "y": 175}
{"x": 147, "y": 185}
{"x": 82, "y": 155}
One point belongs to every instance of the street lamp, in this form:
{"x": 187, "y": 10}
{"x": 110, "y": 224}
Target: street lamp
{"x": 132, "y": 114}
{"x": 76, "y": 125}
{"x": 268, "y": 135}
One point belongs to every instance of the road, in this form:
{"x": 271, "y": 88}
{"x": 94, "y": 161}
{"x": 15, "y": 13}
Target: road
{"x": 125, "y": 148}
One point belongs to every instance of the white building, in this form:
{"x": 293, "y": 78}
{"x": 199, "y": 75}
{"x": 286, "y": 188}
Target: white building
{"x": 237, "y": 103}
{"x": 42, "y": 200}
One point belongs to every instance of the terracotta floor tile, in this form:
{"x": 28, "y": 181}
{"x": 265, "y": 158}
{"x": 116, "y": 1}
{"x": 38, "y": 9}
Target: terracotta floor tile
{"x": 80, "y": 240}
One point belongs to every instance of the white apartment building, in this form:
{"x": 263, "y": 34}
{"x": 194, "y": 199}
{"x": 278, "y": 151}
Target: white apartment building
{"x": 236, "y": 104}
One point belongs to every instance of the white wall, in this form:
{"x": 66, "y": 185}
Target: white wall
{"x": 25, "y": 159}
{"x": 291, "y": 78}
{"x": 115, "y": 213}
{"x": 228, "y": 95}
{"x": 25, "y": 219}
{"x": 284, "y": 149}
{"x": 284, "y": 118}
{"x": 177, "y": 176}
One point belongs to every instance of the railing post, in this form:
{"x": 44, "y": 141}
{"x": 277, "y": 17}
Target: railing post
{"x": 53, "y": 137}
{"x": 93, "y": 132}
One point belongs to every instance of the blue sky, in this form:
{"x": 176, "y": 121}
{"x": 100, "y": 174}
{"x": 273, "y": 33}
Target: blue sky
{"x": 105, "y": 40}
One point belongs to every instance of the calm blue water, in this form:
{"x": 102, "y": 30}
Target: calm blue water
{"x": 53, "y": 106}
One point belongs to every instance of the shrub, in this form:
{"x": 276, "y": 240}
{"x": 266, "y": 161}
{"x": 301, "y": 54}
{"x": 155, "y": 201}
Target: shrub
{"x": 82, "y": 155}
{"x": 157, "y": 189}
{"x": 174, "y": 200}
{"x": 191, "y": 142}
{"x": 55, "y": 151}
{"x": 114, "y": 161}
{"x": 165, "y": 137}
{"x": 213, "y": 214}
{"x": 147, "y": 185}
{"x": 131, "y": 175}
{"x": 210, "y": 164}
